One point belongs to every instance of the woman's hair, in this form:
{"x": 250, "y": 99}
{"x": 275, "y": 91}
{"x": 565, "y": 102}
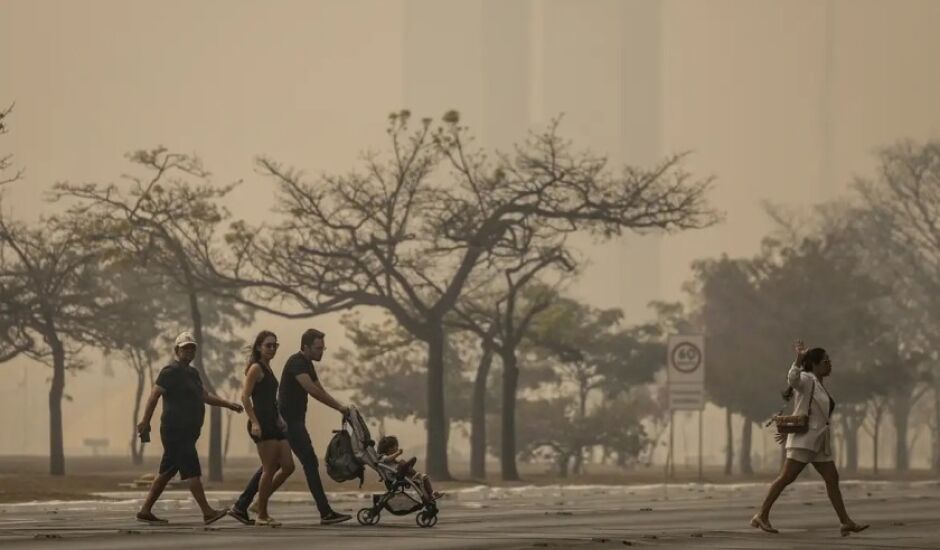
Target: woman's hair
{"x": 254, "y": 355}
{"x": 386, "y": 444}
{"x": 812, "y": 358}
{"x": 809, "y": 360}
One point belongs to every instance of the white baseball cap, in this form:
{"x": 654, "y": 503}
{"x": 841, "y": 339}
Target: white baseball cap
{"x": 185, "y": 338}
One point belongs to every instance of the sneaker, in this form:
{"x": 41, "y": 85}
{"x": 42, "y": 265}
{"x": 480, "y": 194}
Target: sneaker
{"x": 241, "y": 516}
{"x": 333, "y": 518}
{"x": 151, "y": 519}
{"x": 254, "y": 507}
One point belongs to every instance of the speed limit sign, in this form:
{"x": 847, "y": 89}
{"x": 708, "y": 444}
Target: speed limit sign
{"x": 686, "y": 359}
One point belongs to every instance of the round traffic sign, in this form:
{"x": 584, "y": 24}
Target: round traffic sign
{"x": 686, "y": 357}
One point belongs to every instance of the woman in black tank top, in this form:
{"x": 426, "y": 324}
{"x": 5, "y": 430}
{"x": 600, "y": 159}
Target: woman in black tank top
{"x": 264, "y": 403}
{"x": 265, "y": 426}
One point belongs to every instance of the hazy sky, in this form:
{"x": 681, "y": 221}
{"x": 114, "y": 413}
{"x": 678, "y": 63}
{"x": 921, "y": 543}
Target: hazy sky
{"x": 779, "y": 100}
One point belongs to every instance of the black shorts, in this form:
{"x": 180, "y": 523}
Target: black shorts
{"x": 269, "y": 432}
{"x": 179, "y": 454}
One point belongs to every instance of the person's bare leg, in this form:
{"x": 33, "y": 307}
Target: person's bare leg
{"x": 270, "y": 453}
{"x": 285, "y": 465}
{"x": 156, "y": 489}
{"x": 199, "y": 495}
{"x": 830, "y": 475}
{"x": 788, "y": 473}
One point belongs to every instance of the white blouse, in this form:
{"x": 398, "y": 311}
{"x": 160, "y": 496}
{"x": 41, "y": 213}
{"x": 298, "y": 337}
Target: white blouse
{"x": 817, "y": 437}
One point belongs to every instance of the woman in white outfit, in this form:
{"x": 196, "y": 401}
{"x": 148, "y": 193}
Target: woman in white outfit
{"x": 805, "y": 380}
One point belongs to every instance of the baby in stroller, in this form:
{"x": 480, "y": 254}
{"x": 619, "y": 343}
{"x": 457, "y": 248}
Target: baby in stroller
{"x": 405, "y": 492}
{"x": 388, "y": 454}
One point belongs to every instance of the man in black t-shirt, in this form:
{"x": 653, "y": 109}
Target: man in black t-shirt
{"x": 299, "y": 380}
{"x": 184, "y": 408}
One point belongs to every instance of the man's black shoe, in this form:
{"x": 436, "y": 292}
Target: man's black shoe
{"x": 333, "y": 518}
{"x": 241, "y": 516}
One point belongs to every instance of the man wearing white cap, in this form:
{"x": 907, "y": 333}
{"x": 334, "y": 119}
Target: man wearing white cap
{"x": 184, "y": 409}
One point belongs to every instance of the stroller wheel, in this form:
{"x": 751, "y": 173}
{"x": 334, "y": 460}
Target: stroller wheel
{"x": 367, "y": 517}
{"x": 426, "y": 519}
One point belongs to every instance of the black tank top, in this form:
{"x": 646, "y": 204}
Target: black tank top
{"x": 264, "y": 398}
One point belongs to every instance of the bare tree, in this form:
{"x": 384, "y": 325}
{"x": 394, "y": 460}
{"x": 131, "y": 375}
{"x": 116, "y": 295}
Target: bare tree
{"x": 872, "y": 425}
{"x": 500, "y": 314}
{"x": 6, "y": 161}
{"x": 168, "y": 220}
{"x": 903, "y": 198}
{"x": 60, "y": 298}
{"x": 407, "y": 233}
{"x": 13, "y": 339}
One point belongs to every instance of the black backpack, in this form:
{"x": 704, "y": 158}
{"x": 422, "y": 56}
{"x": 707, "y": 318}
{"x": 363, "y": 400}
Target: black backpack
{"x": 341, "y": 462}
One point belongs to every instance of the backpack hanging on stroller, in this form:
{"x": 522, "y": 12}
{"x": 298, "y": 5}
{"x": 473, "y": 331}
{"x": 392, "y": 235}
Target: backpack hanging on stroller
{"x": 402, "y": 494}
{"x": 341, "y": 462}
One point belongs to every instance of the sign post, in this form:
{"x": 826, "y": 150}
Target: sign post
{"x": 685, "y": 380}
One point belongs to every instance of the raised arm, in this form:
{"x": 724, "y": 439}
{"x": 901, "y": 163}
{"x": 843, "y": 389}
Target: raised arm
{"x": 318, "y": 392}
{"x": 794, "y": 378}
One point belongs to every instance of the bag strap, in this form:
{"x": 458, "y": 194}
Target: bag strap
{"x": 809, "y": 410}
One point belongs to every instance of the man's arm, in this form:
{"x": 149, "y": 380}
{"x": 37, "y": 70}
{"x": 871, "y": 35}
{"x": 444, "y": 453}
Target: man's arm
{"x": 318, "y": 392}
{"x": 155, "y": 394}
{"x": 216, "y": 401}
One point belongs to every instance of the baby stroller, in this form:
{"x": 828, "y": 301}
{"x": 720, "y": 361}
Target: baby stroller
{"x": 402, "y": 495}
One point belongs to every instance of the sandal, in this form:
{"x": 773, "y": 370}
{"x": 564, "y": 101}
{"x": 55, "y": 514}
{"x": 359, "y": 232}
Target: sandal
{"x": 762, "y": 524}
{"x": 214, "y": 516}
{"x": 853, "y": 527}
{"x": 267, "y": 522}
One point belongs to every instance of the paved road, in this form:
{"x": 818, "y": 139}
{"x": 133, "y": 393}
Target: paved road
{"x": 903, "y": 515}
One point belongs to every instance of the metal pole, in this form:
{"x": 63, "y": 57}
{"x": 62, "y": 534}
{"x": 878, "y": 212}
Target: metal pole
{"x": 671, "y": 463}
{"x": 701, "y": 475}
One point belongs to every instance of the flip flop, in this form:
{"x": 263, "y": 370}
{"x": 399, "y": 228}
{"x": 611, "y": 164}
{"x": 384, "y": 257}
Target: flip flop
{"x": 267, "y": 522}
{"x": 212, "y": 518}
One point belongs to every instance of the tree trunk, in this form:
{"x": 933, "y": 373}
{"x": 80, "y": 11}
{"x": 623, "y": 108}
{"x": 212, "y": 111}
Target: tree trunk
{"x": 56, "y": 393}
{"x": 478, "y": 416}
{"x": 563, "y": 460}
{"x": 850, "y": 433}
{"x": 745, "y": 459}
{"x": 137, "y": 446}
{"x": 900, "y": 413}
{"x": 215, "y": 414}
{"x": 935, "y": 459}
{"x": 228, "y": 438}
{"x": 436, "y": 458}
{"x": 578, "y": 467}
{"x": 508, "y": 435}
{"x": 875, "y": 435}
{"x": 582, "y": 399}
{"x": 729, "y": 447}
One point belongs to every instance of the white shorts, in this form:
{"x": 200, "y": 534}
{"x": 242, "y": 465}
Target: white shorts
{"x": 808, "y": 455}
